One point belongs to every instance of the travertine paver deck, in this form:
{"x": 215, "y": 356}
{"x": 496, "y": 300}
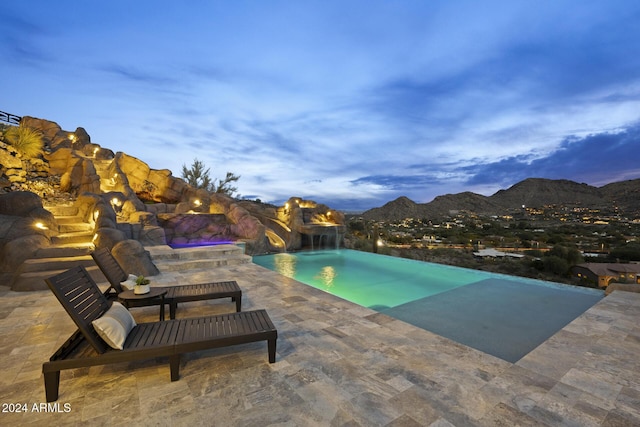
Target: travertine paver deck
{"x": 337, "y": 364}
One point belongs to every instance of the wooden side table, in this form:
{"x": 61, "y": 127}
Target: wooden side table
{"x": 131, "y": 299}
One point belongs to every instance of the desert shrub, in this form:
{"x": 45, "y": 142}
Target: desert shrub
{"x": 27, "y": 141}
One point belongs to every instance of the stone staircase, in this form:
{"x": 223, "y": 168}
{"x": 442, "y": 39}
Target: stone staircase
{"x": 107, "y": 184}
{"x": 71, "y": 247}
{"x": 168, "y": 259}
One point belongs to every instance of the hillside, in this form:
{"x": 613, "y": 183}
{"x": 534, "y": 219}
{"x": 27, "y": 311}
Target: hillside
{"x": 532, "y": 192}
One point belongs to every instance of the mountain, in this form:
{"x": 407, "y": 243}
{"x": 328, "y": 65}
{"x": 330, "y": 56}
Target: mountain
{"x": 537, "y": 192}
{"x": 625, "y": 194}
{"x": 532, "y": 192}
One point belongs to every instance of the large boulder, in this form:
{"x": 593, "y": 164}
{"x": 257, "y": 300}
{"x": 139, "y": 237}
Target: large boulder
{"x": 50, "y": 130}
{"x": 244, "y": 224}
{"x": 19, "y": 203}
{"x": 108, "y": 237}
{"x": 25, "y": 227}
{"x": 20, "y": 249}
{"x": 87, "y": 205}
{"x": 152, "y": 236}
{"x": 157, "y": 185}
{"x": 33, "y": 218}
{"x": 134, "y": 259}
{"x": 78, "y": 173}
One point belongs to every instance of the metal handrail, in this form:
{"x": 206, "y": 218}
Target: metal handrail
{"x": 10, "y": 118}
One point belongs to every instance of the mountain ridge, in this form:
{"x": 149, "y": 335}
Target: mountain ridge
{"x": 624, "y": 196}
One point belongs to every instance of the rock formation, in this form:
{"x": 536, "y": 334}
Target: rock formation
{"x": 25, "y": 226}
{"x": 125, "y": 205}
{"x": 125, "y": 202}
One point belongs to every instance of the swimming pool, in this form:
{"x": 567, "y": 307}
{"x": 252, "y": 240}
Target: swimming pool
{"x": 505, "y": 316}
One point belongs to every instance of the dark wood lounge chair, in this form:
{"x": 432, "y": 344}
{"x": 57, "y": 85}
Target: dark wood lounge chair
{"x": 175, "y": 294}
{"x": 83, "y": 300}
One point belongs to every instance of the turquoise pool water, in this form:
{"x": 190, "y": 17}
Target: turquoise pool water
{"x": 506, "y": 316}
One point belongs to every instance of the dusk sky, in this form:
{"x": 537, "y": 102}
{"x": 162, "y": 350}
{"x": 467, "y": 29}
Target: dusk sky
{"x": 348, "y": 103}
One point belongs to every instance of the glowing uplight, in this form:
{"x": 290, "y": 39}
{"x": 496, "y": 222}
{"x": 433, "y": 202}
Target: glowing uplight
{"x": 40, "y": 225}
{"x": 116, "y": 204}
{"x": 72, "y": 138}
{"x": 197, "y": 203}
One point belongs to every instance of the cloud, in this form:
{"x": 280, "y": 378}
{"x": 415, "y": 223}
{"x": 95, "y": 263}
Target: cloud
{"x": 21, "y": 41}
{"x": 397, "y": 182}
{"x": 595, "y": 159}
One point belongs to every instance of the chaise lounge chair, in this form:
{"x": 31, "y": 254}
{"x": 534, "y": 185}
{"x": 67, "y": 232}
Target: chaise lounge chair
{"x": 175, "y": 294}
{"x": 84, "y": 302}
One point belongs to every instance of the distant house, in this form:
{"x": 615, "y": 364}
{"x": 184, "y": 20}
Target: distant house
{"x": 603, "y": 274}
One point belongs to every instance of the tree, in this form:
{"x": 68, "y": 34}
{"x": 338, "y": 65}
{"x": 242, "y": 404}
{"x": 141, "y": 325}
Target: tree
{"x": 225, "y": 187}
{"x": 556, "y": 265}
{"x": 198, "y": 176}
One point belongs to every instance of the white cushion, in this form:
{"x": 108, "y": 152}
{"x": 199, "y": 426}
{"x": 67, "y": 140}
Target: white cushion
{"x": 114, "y": 325}
{"x": 130, "y": 283}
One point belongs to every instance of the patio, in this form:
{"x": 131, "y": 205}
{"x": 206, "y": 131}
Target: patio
{"x": 337, "y": 364}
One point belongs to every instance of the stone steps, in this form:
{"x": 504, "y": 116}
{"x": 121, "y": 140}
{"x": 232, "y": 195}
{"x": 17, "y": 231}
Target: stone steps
{"x": 72, "y": 250}
{"x": 35, "y": 281}
{"x": 57, "y": 263}
{"x": 62, "y": 210}
{"x": 68, "y": 249}
{"x": 168, "y": 259}
{"x": 72, "y": 238}
{"x": 102, "y": 170}
{"x": 75, "y": 227}
{"x": 68, "y": 219}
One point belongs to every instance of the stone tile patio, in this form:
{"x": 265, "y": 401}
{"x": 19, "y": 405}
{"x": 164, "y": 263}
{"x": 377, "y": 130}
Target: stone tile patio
{"x": 338, "y": 364}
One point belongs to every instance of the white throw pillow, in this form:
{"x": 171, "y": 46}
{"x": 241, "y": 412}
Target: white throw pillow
{"x": 114, "y": 325}
{"x": 130, "y": 283}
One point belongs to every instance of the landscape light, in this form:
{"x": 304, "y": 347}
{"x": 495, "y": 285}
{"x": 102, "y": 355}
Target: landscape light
{"x": 40, "y": 225}
{"x": 115, "y": 204}
{"x": 197, "y": 202}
